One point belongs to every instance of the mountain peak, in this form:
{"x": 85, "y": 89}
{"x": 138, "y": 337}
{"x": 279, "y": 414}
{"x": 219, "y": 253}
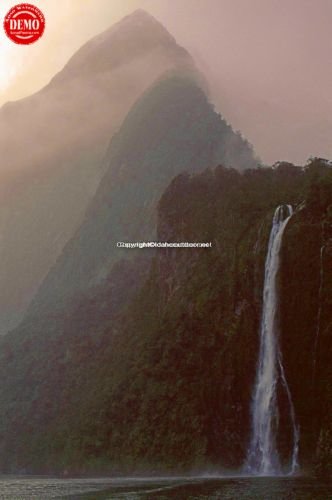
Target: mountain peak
{"x": 137, "y": 22}
{"x": 144, "y": 19}
{"x": 133, "y": 37}
{"x": 141, "y": 14}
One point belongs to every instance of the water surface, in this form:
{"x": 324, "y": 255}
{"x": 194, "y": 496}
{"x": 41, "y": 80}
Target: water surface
{"x": 198, "y": 488}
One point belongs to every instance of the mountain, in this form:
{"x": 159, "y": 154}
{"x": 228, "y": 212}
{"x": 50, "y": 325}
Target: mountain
{"x": 52, "y": 145}
{"x": 136, "y": 361}
{"x": 171, "y": 128}
{"x": 153, "y": 368}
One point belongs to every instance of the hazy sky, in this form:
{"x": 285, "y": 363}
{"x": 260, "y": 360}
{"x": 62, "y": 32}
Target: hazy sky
{"x": 269, "y": 62}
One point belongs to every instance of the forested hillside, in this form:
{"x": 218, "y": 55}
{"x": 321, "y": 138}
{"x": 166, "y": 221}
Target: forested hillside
{"x": 161, "y": 378}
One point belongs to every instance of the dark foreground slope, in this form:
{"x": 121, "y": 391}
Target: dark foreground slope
{"x": 161, "y": 380}
{"x": 306, "y": 319}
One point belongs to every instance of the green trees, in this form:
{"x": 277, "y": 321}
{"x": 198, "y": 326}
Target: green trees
{"x": 153, "y": 369}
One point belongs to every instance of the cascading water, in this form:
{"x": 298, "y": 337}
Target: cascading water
{"x": 263, "y": 458}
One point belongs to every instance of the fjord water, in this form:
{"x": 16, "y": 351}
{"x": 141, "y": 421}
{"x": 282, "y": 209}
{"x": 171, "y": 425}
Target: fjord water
{"x": 179, "y": 488}
{"x": 263, "y": 456}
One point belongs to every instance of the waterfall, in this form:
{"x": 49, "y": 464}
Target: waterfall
{"x": 296, "y": 433}
{"x": 263, "y": 458}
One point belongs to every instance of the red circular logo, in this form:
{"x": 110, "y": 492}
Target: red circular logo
{"x": 24, "y": 23}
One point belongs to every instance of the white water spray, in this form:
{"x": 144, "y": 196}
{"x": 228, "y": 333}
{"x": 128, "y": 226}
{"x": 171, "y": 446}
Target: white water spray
{"x": 296, "y": 433}
{"x": 263, "y": 458}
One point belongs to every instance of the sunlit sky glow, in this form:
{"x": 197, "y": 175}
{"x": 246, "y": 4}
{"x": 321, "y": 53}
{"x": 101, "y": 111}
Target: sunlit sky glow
{"x": 269, "y": 62}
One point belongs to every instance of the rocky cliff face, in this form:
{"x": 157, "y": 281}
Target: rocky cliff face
{"x": 161, "y": 380}
{"x": 52, "y": 145}
{"x": 306, "y": 320}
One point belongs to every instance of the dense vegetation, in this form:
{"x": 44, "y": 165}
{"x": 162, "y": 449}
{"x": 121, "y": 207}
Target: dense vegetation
{"x": 306, "y": 316}
{"x": 161, "y": 378}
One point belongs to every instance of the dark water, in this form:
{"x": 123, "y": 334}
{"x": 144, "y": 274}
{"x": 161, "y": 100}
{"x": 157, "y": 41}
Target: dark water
{"x": 228, "y": 489}
{"x": 165, "y": 488}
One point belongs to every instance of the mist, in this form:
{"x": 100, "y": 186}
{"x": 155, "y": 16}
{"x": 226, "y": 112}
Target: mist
{"x": 53, "y": 163}
{"x": 116, "y": 362}
{"x": 268, "y": 63}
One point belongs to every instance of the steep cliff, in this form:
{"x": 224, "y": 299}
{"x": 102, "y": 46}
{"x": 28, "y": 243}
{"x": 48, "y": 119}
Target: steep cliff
{"x": 171, "y": 128}
{"x": 161, "y": 380}
{"x": 306, "y": 317}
